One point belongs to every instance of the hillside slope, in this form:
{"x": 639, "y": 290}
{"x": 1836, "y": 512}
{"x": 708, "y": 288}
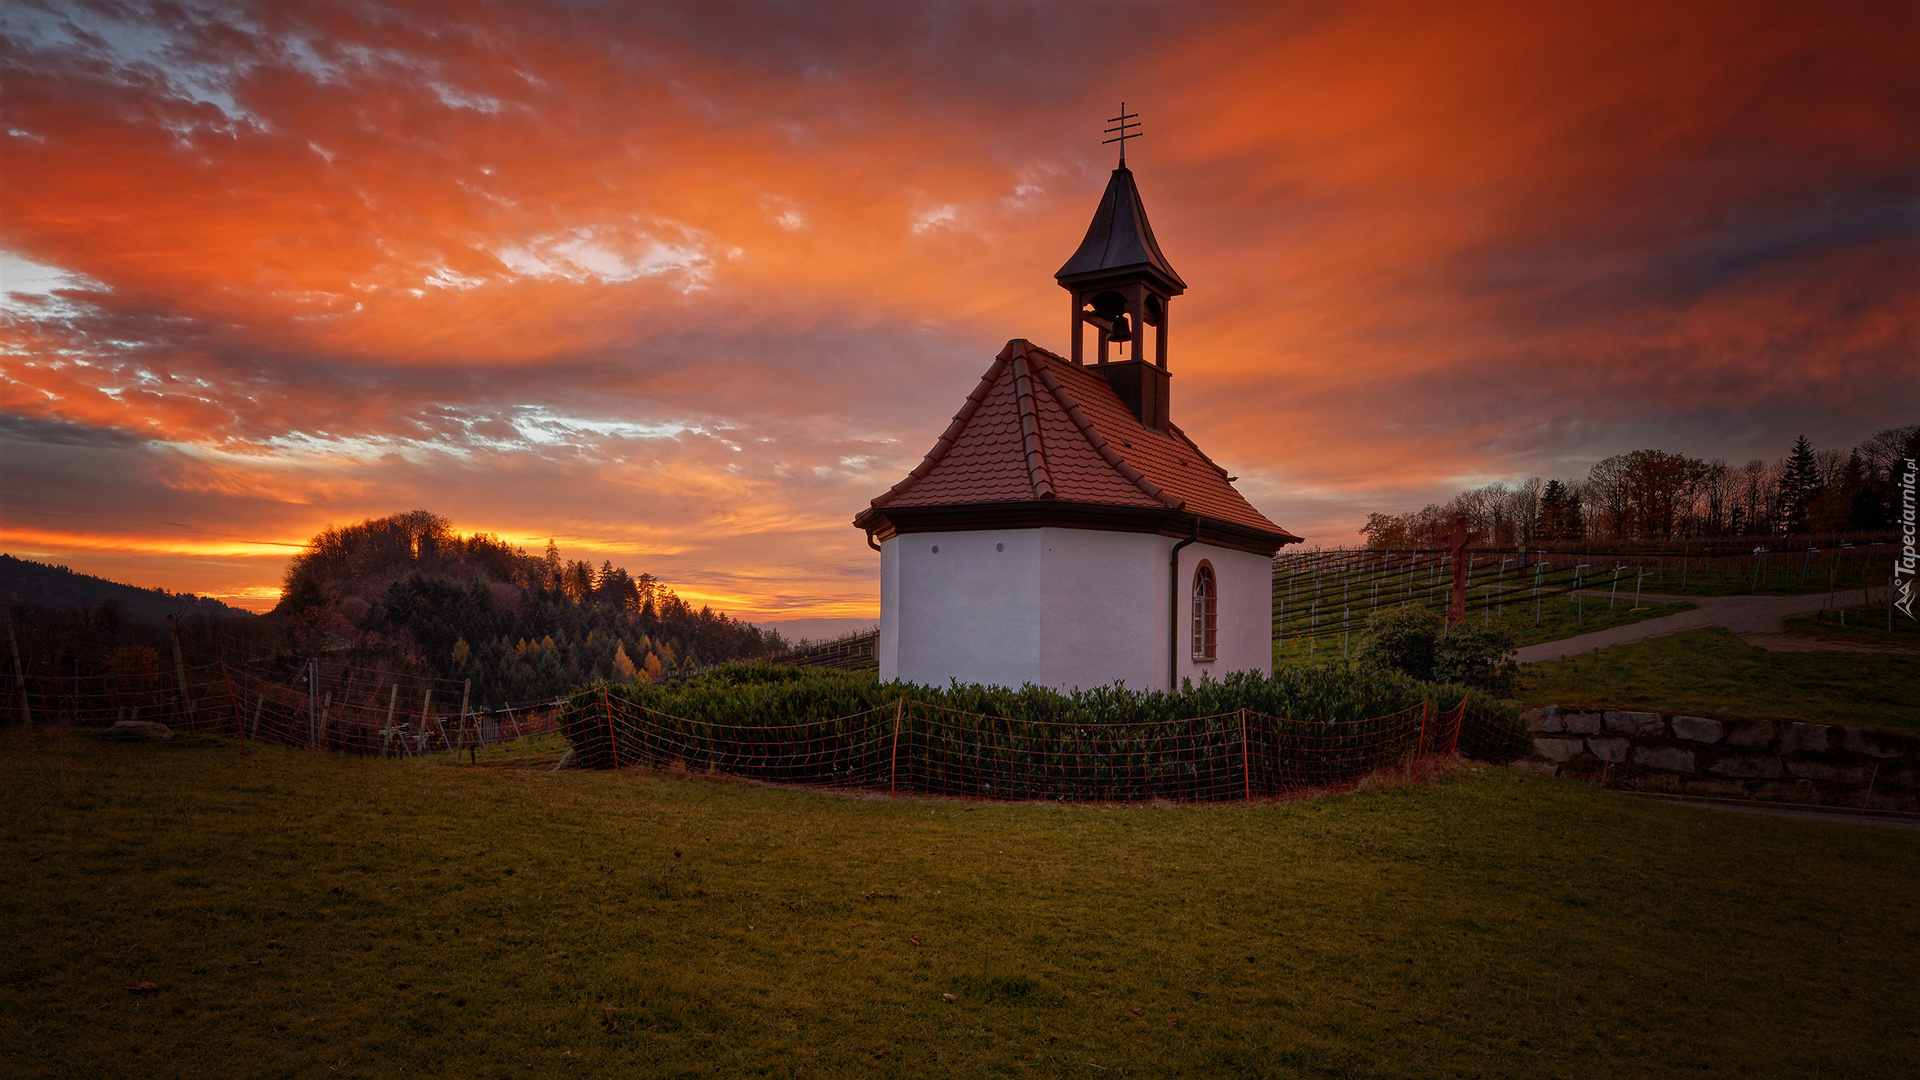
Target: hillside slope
{"x": 27, "y": 582}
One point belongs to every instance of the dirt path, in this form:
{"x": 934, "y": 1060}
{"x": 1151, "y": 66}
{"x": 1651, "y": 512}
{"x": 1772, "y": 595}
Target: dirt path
{"x": 1744, "y": 615}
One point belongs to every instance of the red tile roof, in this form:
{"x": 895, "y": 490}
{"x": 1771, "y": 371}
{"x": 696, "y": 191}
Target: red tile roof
{"x": 1040, "y": 428}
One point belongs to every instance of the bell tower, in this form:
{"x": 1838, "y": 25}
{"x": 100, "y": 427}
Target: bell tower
{"x": 1121, "y": 285}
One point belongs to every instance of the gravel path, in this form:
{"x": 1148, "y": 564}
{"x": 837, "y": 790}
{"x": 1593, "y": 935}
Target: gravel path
{"x": 1740, "y": 614}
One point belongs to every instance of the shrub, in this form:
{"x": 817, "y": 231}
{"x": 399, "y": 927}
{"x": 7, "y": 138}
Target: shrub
{"x": 1418, "y": 643}
{"x": 1107, "y": 742}
{"x": 1401, "y": 639}
{"x": 1476, "y": 656}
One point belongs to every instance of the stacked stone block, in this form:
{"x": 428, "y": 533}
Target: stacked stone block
{"x": 1728, "y": 758}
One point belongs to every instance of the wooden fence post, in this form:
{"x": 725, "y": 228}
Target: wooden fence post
{"x": 180, "y": 668}
{"x": 234, "y": 704}
{"x": 320, "y": 733}
{"x": 258, "y": 705}
{"x": 466, "y": 690}
{"x": 426, "y": 704}
{"x": 613, "y": 744}
{"x": 899, "y": 711}
{"x": 26, "y": 710}
{"x": 313, "y": 701}
{"x": 386, "y": 733}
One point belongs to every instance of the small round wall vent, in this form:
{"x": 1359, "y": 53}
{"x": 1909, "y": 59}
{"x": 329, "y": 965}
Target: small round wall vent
{"x": 936, "y": 549}
{"x": 999, "y": 547}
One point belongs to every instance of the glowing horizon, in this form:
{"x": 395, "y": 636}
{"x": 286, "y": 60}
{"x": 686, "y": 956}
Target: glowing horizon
{"x": 683, "y": 286}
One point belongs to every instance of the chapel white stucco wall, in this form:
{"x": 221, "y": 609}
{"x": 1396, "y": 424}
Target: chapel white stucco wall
{"x": 1245, "y": 621}
{"x": 1064, "y": 608}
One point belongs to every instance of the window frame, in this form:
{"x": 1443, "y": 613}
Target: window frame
{"x": 1204, "y": 624}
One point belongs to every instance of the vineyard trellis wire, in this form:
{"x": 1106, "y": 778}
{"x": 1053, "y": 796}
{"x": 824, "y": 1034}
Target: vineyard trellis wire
{"x": 905, "y": 747}
{"x": 318, "y": 704}
{"x": 913, "y": 747}
{"x": 1325, "y": 597}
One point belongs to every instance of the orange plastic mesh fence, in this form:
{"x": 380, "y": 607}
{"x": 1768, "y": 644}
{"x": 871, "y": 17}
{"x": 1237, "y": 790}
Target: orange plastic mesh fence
{"x": 914, "y": 747}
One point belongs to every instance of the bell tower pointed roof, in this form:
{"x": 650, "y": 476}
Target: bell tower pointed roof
{"x": 1120, "y": 241}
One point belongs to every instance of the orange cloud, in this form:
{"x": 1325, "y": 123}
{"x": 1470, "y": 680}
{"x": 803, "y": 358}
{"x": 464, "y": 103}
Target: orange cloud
{"x": 686, "y": 284}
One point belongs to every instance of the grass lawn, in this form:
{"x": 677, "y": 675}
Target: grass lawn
{"x": 1866, "y": 623}
{"x": 308, "y": 914}
{"x": 1710, "y": 672}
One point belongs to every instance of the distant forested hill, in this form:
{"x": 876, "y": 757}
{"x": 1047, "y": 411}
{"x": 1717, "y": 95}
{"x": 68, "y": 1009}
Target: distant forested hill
{"x": 24, "y": 581}
{"x": 409, "y": 594}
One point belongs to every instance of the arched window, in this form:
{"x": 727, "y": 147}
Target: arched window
{"x": 1206, "y": 612}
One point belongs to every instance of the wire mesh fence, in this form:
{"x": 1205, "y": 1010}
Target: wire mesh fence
{"x": 317, "y": 704}
{"x": 1326, "y": 597}
{"x": 919, "y": 748}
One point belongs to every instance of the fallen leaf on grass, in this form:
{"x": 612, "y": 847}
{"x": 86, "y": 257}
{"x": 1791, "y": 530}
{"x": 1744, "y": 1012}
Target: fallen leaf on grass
{"x": 949, "y": 997}
{"x": 882, "y": 1052}
{"x": 1134, "y": 1010}
{"x": 142, "y": 987}
{"x": 1173, "y": 1021}
{"x": 915, "y": 940}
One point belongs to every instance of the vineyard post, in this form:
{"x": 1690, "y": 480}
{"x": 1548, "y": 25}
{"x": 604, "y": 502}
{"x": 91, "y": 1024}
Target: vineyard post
{"x": 393, "y": 702}
{"x": 1615, "y": 596}
{"x": 1806, "y": 564}
{"x": 320, "y": 733}
{"x": 893, "y": 764}
{"x": 313, "y": 700}
{"x": 517, "y": 733}
{"x": 1868, "y": 797}
{"x": 606, "y": 708}
{"x": 20, "y": 678}
{"x": 1638, "y": 578}
{"x": 426, "y": 703}
{"x": 466, "y": 690}
{"x": 180, "y": 669}
{"x": 233, "y": 703}
{"x": 1420, "y": 748}
{"x": 1246, "y": 756}
{"x": 260, "y": 703}
{"x": 1539, "y": 575}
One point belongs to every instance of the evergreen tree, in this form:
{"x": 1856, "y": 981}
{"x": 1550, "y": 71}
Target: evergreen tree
{"x": 1799, "y": 486}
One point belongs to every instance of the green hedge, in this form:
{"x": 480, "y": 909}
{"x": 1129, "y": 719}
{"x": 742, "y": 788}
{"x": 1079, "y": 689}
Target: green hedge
{"x": 1110, "y": 742}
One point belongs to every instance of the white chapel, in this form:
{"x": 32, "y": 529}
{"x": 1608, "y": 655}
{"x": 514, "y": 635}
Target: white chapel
{"x": 1063, "y": 531}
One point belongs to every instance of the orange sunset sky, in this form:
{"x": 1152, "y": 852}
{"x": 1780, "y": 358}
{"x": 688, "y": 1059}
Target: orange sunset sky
{"x": 683, "y": 285}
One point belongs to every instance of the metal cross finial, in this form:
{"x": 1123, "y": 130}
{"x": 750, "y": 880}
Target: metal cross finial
{"x": 1122, "y": 125}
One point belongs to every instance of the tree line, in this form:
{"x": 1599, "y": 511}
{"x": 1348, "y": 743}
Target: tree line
{"x": 1653, "y": 495}
{"x": 408, "y": 594}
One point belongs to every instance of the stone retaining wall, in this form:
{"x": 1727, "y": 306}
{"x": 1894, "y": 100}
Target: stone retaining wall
{"x": 1750, "y": 759}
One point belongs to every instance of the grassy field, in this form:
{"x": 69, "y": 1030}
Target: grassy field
{"x": 1710, "y": 672}
{"x": 1866, "y": 624}
{"x": 304, "y": 914}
